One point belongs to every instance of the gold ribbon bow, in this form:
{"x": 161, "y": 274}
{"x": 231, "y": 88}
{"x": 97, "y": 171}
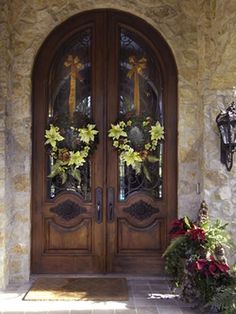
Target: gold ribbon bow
{"x": 137, "y": 67}
{"x": 75, "y": 65}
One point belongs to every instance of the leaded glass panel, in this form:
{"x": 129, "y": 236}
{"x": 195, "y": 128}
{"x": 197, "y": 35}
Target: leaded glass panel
{"x": 70, "y": 108}
{"x": 140, "y": 94}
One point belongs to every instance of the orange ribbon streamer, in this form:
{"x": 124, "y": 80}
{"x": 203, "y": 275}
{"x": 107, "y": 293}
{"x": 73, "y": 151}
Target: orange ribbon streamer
{"x": 137, "y": 67}
{"x": 75, "y": 65}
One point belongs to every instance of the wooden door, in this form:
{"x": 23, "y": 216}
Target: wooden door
{"x": 111, "y": 219}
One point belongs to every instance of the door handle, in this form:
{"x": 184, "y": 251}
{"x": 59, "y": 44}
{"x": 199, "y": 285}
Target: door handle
{"x": 99, "y": 211}
{"x": 110, "y": 205}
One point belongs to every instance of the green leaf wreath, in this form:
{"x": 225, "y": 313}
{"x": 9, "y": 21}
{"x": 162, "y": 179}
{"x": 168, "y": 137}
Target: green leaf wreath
{"x": 69, "y": 148}
{"x": 137, "y": 140}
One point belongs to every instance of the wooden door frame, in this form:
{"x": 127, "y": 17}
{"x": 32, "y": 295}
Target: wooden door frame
{"x": 169, "y": 73}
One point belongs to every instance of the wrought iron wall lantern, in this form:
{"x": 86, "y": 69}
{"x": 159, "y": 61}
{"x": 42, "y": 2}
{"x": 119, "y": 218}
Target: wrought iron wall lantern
{"x": 226, "y": 121}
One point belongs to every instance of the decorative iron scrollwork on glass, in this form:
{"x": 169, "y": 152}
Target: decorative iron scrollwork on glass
{"x": 140, "y": 95}
{"x": 70, "y": 77}
{"x": 141, "y": 210}
{"x": 71, "y": 184}
{"x": 131, "y": 182}
{"x": 68, "y": 210}
{"x": 70, "y": 109}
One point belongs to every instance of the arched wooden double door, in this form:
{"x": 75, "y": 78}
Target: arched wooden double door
{"x": 102, "y": 66}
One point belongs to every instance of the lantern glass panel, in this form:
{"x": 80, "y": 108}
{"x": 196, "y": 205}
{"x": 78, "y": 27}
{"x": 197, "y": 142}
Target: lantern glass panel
{"x": 233, "y": 131}
{"x": 224, "y": 133}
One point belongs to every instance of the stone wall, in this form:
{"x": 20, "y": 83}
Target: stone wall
{"x": 202, "y": 37}
{"x": 4, "y": 44}
{"x": 217, "y": 85}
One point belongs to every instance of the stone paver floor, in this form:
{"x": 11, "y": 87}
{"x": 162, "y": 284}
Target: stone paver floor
{"x": 147, "y": 295}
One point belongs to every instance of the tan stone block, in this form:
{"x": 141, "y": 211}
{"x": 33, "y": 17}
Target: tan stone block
{"x": 223, "y": 193}
{"x": 2, "y": 239}
{"x": 2, "y": 142}
{"x": 21, "y": 182}
{"x": 223, "y": 82}
{"x": 190, "y": 8}
{"x": 20, "y": 249}
{"x": 2, "y": 101}
{"x": 188, "y": 93}
{"x": 2, "y": 187}
{"x": 189, "y": 153}
{"x": 21, "y": 217}
{"x": 15, "y": 266}
{"x": 216, "y": 176}
{"x": 2, "y": 208}
{"x": 227, "y": 210}
{"x": 161, "y": 12}
{"x": 18, "y": 279}
{"x": 21, "y": 110}
{"x": 29, "y": 15}
{"x": 23, "y": 200}
{"x": 2, "y": 222}
{"x": 187, "y": 187}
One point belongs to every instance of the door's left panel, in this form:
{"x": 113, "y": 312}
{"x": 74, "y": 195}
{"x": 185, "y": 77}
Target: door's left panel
{"x": 67, "y": 196}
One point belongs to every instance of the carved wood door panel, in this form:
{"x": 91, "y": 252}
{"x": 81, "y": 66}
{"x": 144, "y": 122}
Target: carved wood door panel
{"x": 95, "y": 213}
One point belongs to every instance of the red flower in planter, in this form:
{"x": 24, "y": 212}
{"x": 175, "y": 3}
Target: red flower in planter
{"x": 209, "y": 267}
{"x": 199, "y": 264}
{"x": 216, "y": 266}
{"x": 223, "y": 267}
{"x": 179, "y": 227}
{"x": 212, "y": 269}
{"x": 197, "y": 234}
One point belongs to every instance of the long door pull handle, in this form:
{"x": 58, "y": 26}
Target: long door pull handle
{"x": 110, "y": 212}
{"x": 99, "y": 211}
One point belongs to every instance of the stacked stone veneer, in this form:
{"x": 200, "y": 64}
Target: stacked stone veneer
{"x": 202, "y": 36}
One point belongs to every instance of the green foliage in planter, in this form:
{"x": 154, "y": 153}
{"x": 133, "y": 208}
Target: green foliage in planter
{"x": 224, "y": 300}
{"x": 206, "y": 281}
{"x": 195, "y": 259}
{"x": 182, "y": 247}
{"x": 216, "y": 235}
{"x": 174, "y": 256}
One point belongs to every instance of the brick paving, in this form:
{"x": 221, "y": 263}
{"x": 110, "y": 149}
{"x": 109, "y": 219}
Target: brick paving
{"x": 147, "y": 295}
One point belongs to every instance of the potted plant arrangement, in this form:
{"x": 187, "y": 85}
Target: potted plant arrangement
{"x": 195, "y": 258}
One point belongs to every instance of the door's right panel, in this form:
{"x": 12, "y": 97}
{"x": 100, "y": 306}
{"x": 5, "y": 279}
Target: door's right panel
{"x": 137, "y": 233}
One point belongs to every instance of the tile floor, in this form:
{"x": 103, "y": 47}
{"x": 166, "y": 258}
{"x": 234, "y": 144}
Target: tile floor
{"x": 147, "y": 295}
